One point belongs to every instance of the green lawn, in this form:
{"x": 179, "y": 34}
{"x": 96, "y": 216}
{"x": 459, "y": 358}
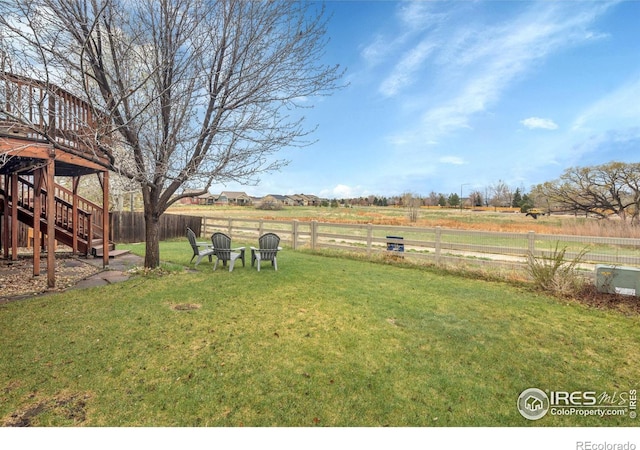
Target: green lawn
{"x": 323, "y": 341}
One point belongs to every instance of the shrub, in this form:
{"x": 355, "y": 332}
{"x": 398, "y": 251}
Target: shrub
{"x": 270, "y": 206}
{"x": 552, "y": 272}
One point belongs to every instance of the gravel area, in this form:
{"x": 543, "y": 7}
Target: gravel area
{"x": 17, "y": 280}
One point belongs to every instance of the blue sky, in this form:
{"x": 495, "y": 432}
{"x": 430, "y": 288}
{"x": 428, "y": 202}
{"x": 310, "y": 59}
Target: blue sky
{"x": 444, "y": 96}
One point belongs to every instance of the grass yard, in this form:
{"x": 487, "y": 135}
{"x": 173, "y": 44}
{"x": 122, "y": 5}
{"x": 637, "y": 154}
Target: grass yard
{"x": 323, "y": 341}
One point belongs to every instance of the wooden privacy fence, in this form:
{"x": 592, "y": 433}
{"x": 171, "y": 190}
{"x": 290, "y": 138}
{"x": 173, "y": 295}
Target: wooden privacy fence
{"x": 436, "y": 245}
{"x": 129, "y": 226}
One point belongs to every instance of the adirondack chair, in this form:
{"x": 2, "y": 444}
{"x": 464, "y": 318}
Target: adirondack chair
{"x": 206, "y": 251}
{"x": 268, "y": 250}
{"x": 223, "y": 251}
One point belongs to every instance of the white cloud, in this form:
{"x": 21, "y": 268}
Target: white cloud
{"x": 618, "y": 109}
{"x": 476, "y": 63}
{"x": 377, "y": 51}
{"x": 539, "y": 123}
{"x": 456, "y": 160}
{"x": 343, "y": 191}
{"x": 404, "y": 72}
{"x": 417, "y": 15}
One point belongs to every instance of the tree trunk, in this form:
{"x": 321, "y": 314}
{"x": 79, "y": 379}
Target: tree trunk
{"x": 152, "y": 244}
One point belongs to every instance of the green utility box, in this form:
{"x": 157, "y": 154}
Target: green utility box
{"x": 618, "y": 280}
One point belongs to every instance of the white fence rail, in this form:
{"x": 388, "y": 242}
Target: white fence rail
{"x": 437, "y": 245}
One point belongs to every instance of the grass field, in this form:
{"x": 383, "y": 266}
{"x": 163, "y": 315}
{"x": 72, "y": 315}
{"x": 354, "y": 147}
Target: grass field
{"x": 429, "y": 217}
{"x": 323, "y": 341}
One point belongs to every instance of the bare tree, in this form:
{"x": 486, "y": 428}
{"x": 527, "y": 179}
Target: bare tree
{"x": 412, "y": 203}
{"x": 475, "y": 198}
{"x": 432, "y": 200}
{"x": 602, "y": 191}
{"x": 501, "y": 194}
{"x": 197, "y": 91}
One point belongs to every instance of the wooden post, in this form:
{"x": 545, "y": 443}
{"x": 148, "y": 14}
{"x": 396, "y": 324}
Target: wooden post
{"x": 105, "y": 219}
{"x": 369, "y": 239}
{"x": 532, "y": 242}
{"x": 438, "y": 243}
{"x": 89, "y": 231}
{"x": 37, "y": 212}
{"x": 75, "y": 182}
{"x": 14, "y": 216}
{"x": 5, "y": 216}
{"x": 51, "y": 224}
{"x": 294, "y": 234}
{"x": 314, "y": 234}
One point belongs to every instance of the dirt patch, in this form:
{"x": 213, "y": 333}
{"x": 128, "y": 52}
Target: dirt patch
{"x": 13, "y": 385}
{"x": 69, "y": 406}
{"x": 17, "y": 280}
{"x": 186, "y": 307}
{"x": 627, "y": 304}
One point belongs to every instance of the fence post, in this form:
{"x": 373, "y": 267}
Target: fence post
{"x": 314, "y": 234}
{"x": 369, "y": 239}
{"x": 438, "y": 243}
{"x": 204, "y": 226}
{"x": 260, "y": 227}
{"x": 532, "y": 242}
{"x": 230, "y": 227}
{"x": 294, "y": 234}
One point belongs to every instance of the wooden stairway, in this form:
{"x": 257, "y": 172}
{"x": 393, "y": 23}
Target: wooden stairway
{"x": 79, "y": 226}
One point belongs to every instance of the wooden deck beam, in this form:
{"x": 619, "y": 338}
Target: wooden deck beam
{"x": 105, "y": 219}
{"x": 51, "y": 225}
{"x": 37, "y": 207}
{"x": 14, "y": 216}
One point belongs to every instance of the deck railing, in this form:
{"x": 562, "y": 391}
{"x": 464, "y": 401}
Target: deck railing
{"x": 86, "y": 215}
{"x": 32, "y": 109}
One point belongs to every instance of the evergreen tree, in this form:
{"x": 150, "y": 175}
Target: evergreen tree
{"x": 517, "y": 199}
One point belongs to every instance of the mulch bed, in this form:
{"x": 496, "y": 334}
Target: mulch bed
{"x": 627, "y": 304}
{"x": 17, "y": 280}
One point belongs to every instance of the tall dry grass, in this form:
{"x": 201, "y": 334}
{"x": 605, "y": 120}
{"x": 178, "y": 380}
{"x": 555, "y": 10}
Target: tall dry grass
{"x": 615, "y": 228}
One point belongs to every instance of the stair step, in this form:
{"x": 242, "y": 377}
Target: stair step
{"x": 112, "y": 253}
{"x": 115, "y": 253}
{"x": 98, "y": 250}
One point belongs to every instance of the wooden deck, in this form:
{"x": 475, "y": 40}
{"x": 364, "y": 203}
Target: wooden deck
{"x": 47, "y": 132}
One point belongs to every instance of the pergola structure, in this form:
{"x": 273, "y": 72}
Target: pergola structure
{"x": 47, "y": 132}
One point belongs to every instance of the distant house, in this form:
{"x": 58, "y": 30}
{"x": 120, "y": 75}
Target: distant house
{"x": 236, "y": 198}
{"x": 206, "y": 199}
{"x": 203, "y": 199}
{"x": 222, "y": 200}
{"x": 313, "y": 200}
{"x": 291, "y": 200}
{"x": 277, "y": 200}
{"x": 288, "y": 201}
{"x": 305, "y": 200}
{"x": 299, "y": 200}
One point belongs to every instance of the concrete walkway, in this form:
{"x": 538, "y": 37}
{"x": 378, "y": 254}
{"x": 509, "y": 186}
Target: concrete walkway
{"x": 118, "y": 271}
